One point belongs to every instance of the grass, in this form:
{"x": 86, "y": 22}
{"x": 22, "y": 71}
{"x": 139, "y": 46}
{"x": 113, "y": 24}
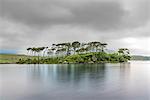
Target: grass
{"x": 10, "y": 58}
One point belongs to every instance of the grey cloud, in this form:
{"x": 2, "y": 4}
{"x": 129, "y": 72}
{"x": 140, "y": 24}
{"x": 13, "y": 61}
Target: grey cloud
{"x": 139, "y": 15}
{"x": 102, "y": 15}
{"x": 33, "y": 13}
{"x": 50, "y": 21}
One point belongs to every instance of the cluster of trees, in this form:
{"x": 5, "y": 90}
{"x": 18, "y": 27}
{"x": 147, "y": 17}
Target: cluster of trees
{"x": 75, "y": 52}
{"x": 68, "y": 48}
{"x": 124, "y": 51}
{"x": 36, "y": 51}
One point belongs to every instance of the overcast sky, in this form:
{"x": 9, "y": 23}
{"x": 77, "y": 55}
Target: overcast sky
{"x": 120, "y": 23}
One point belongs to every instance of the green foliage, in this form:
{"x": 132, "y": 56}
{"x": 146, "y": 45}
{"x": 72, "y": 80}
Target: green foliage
{"x": 94, "y": 57}
{"x": 74, "y": 59}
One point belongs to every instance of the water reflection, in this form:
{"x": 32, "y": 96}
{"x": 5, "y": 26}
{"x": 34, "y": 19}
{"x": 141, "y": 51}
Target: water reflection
{"x": 66, "y": 73}
{"x": 78, "y": 73}
{"x": 75, "y": 82}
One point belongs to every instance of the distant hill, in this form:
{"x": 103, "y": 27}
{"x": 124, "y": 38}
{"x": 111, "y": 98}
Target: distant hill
{"x": 138, "y": 57}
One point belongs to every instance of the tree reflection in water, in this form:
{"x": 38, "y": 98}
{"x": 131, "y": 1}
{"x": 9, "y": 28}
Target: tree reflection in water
{"x": 77, "y": 73}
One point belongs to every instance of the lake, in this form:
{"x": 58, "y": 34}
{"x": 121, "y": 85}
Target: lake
{"x": 127, "y": 81}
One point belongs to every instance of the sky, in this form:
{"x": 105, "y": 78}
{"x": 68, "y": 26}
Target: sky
{"x": 120, "y": 23}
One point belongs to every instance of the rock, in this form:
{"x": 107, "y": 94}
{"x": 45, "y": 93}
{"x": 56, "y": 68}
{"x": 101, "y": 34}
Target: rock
{"x": 91, "y": 62}
{"x": 94, "y": 58}
{"x": 65, "y": 62}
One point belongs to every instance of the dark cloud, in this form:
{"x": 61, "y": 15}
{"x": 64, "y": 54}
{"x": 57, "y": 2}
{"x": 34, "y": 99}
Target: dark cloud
{"x": 101, "y": 15}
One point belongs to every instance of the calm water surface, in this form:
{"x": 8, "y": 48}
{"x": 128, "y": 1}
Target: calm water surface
{"x": 129, "y": 81}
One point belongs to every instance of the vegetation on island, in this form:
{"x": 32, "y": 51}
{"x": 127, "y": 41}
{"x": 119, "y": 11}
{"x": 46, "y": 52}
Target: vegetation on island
{"x": 75, "y": 52}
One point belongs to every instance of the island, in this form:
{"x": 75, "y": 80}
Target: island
{"x": 75, "y": 52}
